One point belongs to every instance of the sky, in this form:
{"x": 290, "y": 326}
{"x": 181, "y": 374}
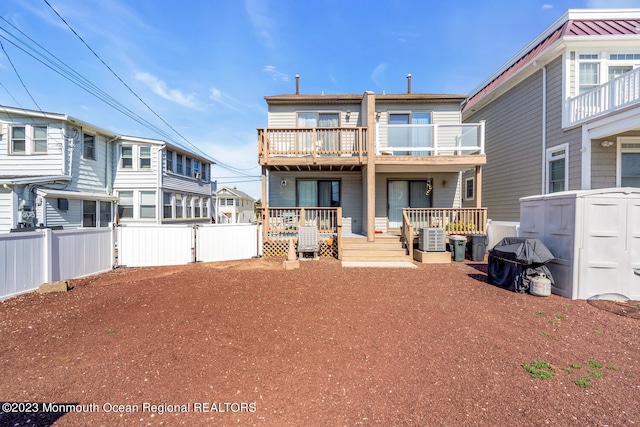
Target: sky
{"x": 195, "y": 72}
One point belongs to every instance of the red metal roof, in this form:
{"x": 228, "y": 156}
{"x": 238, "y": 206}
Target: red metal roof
{"x": 571, "y": 28}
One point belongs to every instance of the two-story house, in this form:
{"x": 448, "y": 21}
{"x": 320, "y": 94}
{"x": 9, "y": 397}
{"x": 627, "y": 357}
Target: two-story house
{"x": 59, "y": 171}
{"x": 564, "y": 112}
{"x": 158, "y": 182}
{"x": 368, "y": 165}
{"x": 235, "y": 206}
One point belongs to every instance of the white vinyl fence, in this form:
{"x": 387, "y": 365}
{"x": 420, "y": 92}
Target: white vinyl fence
{"x": 28, "y": 259}
{"x": 154, "y": 245}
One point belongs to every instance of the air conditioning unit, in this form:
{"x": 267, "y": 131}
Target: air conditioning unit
{"x": 197, "y": 175}
{"x": 432, "y": 240}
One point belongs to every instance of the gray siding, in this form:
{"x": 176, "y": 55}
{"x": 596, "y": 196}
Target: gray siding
{"x": 513, "y": 145}
{"x": 350, "y": 197}
{"x": 283, "y": 116}
{"x": 603, "y": 166}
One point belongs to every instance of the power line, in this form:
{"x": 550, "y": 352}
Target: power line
{"x": 18, "y": 74}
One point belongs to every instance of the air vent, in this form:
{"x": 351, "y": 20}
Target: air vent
{"x": 432, "y": 240}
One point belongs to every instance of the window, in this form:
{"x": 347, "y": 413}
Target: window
{"x": 126, "y": 157}
{"x": 326, "y": 140}
{"x": 187, "y": 169}
{"x": 205, "y": 207}
{"x": 589, "y": 72}
{"x": 147, "y": 204}
{"x": 197, "y": 212}
{"x": 18, "y": 140}
{"x": 88, "y": 213}
{"x": 105, "y": 214}
{"x": 88, "y": 147}
{"x": 125, "y": 204}
{"x": 187, "y": 205}
{"x": 179, "y": 209}
{"x": 469, "y": 188}
{"x": 557, "y": 169}
{"x": 196, "y": 169}
{"x": 39, "y": 139}
{"x": 169, "y": 161}
{"x": 410, "y": 136}
{"x": 179, "y": 163}
{"x": 145, "y": 157}
{"x": 166, "y": 205}
{"x": 629, "y": 164}
{"x": 312, "y": 193}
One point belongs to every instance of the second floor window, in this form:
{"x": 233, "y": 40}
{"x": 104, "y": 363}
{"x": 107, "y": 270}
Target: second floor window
{"x": 179, "y": 158}
{"x": 187, "y": 169}
{"x": 28, "y": 139}
{"x": 145, "y": 157}
{"x": 39, "y": 139}
{"x": 89, "y": 147}
{"x": 19, "y": 140}
{"x": 126, "y": 157}
{"x": 169, "y": 161}
{"x": 196, "y": 169}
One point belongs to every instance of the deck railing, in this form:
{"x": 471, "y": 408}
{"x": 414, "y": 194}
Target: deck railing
{"x": 430, "y": 139}
{"x": 460, "y": 221}
{"x": 304, "y": 142}
{"x": 613, "y": 95}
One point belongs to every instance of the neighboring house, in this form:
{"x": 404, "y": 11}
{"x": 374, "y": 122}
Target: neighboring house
{"x": 355, "y": 164}
{"x": 158, "y": 182}
{"x": 564, "y": 112}
{"x": 58, "y": 171}
{"x": 235, "y": 205}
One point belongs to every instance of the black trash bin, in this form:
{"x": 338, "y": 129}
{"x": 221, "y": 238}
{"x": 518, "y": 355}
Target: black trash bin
{"x": 476, "y": 246}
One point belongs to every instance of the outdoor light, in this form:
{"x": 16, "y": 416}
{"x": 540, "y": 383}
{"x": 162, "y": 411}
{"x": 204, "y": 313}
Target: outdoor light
{"x": 348, "y": 114}
{"x": 378, "y": 114}
{"x": 606, "y": 144}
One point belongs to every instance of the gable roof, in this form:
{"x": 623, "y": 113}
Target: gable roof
{"x": 234, "y": 191}
{"x": 575, "y": 23}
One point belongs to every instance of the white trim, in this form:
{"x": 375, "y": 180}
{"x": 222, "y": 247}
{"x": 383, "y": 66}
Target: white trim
{"x": 75, "y": 195}
{"x": 565, "y": 156}
{"x": 472, "y": 179}
{"x": 619, "y": 151}
{"x": 585, "y": 150}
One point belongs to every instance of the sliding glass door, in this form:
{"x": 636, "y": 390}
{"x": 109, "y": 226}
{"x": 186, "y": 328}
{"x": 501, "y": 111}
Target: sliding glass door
{"x": 406, "y": 194}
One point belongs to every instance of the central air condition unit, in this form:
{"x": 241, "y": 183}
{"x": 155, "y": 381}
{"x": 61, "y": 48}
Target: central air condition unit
{"x": 432, "y": 240}
{"x": 197, "y": 175}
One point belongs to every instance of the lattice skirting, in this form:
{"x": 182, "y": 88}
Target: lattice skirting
{"x": 280, "y": 247}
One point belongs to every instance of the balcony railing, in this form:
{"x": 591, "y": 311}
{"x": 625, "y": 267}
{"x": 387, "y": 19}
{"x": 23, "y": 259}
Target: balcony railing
{"x": 617, "y": 93}
{"x": 460, "y": 221}
{"x": 312, "y": 142}
{"x": 430, "y": 140}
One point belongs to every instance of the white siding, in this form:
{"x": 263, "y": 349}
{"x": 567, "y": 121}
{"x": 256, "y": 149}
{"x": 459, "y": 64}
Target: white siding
{"x": 6, "y": 209}
{"x": 28, "y": 165}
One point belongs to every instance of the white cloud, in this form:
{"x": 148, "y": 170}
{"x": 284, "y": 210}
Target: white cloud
{"x": 547, "y": 6}
{"x": 260, "y": 19}
{"x": 159, "y": 87}
{"x": 272, "y": 72}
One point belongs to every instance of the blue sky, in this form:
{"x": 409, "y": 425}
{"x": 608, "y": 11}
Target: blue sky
{"x": 204, "y": 66}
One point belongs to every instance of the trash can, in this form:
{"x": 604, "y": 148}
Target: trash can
{"x": 476, "y": 246}
{"x": 458, "y": 245}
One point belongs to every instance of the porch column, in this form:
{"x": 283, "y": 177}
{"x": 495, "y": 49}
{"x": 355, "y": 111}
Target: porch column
{"x": 585, "y": 178}
{"x": 479, "y": 186}
{"x": 370, "y": 104}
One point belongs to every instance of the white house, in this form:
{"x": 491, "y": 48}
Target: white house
{"x": 59, "y": 171}
{"x": 235, "y": 206}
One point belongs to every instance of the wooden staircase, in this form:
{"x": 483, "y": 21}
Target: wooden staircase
{"x": 386, "y": 248}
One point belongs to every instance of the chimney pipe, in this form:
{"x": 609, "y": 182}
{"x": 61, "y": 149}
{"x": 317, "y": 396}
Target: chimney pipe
{"x": 297, "y": 84}
{"x": 408, "y": 83}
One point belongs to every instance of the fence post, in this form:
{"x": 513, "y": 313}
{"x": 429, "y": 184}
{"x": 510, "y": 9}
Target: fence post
{"x": 47, "y": 256}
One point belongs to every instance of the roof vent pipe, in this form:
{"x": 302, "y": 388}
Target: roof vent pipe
{"x": 408, "y": 83}
{"x": 297, "y": 84}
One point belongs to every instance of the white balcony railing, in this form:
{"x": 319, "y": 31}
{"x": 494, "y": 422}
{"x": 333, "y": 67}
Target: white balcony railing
{"x": 617, "y": 93}
{"x": 430, "y": 140}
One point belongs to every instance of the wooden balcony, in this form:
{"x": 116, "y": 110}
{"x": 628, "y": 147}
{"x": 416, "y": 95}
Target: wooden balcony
{"x": 460, "y": 221}
{"x": 300, "y": 146}
{"x": 617, "y": 94}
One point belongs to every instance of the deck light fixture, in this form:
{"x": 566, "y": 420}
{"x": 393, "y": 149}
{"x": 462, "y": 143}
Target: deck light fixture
{"x": 378, "y": 114}
{"x": 348, "y": 114}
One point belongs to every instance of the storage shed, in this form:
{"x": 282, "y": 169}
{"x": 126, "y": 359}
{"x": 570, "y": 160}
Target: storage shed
{"x": 594, "y": 236}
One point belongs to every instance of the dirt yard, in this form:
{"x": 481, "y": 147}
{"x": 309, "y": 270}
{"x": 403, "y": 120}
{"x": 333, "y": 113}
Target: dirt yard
{"x": 247, "y": 343}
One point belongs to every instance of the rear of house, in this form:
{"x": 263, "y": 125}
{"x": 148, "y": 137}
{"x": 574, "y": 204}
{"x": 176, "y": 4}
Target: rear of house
{"x": 368, "y": 164}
